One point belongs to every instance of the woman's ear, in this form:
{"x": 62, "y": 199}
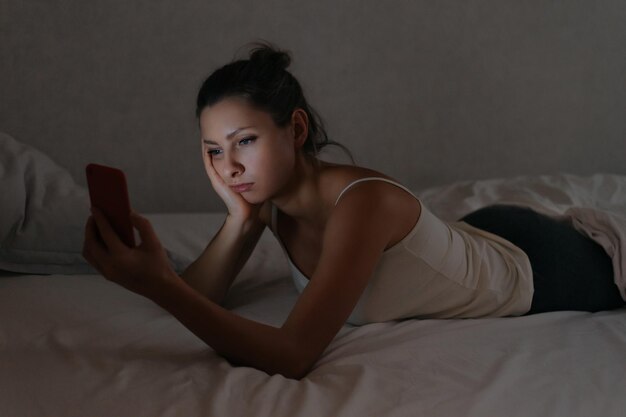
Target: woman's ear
{"x": 300, "y": 124}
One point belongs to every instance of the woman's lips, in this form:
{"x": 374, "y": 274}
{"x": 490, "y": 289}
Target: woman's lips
{"x": 240, "y": 188}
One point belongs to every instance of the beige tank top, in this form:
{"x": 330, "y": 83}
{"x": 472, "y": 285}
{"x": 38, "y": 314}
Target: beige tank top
{"x": 440, "y": 270}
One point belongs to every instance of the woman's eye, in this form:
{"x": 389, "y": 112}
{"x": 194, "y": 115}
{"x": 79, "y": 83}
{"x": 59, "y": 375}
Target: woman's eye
{"x": 247, "y": 141}
{"x": 214, "y": 152}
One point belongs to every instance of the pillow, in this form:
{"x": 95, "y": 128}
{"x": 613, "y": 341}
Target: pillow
{"x": 42, "y": 214}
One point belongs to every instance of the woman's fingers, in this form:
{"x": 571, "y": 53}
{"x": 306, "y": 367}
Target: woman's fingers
{"x": 92, "y": 246}
{"x": 109, "y": 237}
{"x": 216, "y": 180}
{"x": 144, "y": 269}
{"x": 235, "y": 203}
{"x": 146, "y": 231}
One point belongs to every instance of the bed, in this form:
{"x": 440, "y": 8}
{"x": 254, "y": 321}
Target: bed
{"x": 74, "y": 344}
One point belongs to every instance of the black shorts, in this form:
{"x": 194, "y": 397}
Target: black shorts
{"x": 570, "y": 271}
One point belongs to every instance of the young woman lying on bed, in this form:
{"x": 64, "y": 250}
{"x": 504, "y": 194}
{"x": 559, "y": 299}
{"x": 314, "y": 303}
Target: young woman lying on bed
{"x": 362, "y": 247}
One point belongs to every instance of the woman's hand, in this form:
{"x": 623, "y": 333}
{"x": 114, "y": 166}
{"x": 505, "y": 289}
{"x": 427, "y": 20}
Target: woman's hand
{"x": 237, "y": 206}
{"x": 144, "y": 269}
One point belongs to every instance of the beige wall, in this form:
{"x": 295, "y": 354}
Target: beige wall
{"x": 427, "y": 91}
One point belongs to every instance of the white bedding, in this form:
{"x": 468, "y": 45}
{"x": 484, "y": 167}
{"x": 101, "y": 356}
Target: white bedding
{"x": 77, "y": 345}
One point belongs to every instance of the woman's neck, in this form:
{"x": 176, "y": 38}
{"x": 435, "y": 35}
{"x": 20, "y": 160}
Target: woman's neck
{"x": 301, "y": 198}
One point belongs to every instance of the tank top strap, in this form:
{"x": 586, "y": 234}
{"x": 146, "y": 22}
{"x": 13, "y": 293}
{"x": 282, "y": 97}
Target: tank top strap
{"x": 274, "y": 216}
{"x": 353, "y": 183}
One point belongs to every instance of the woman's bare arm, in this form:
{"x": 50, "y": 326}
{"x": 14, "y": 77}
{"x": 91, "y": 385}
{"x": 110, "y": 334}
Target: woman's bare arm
{"x": 214, "y": 271}
{"x": 353, "y": 243}
{"x": 354, "y": 240}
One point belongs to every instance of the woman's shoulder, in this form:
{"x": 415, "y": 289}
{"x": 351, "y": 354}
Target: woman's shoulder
{"x": 336, "y": 176}
{"x": 354, "y": 201}
{"x": 335, "y": 179}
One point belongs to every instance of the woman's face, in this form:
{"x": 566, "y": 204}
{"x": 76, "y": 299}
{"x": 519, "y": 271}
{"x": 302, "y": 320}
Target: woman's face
{"x": 252, "y": 155}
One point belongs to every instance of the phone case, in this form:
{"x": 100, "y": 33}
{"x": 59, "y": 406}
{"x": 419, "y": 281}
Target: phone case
{"x": 109, "y": 193}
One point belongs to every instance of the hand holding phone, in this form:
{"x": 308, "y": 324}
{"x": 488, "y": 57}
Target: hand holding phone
{"x": 109, "y": 193}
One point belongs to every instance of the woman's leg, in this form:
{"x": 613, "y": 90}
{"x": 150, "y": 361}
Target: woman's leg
{"x": 570, "y": 271}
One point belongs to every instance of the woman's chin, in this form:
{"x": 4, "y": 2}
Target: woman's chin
{"x": 252, "y": 198}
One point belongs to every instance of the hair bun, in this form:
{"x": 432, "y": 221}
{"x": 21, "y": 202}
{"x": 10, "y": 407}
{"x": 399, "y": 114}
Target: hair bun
{"x": 267, "y": 53}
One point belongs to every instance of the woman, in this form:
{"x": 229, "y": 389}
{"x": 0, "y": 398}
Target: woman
{"x": 362, "y": 248}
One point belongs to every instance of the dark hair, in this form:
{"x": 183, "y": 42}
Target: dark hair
{"x": 264, "y": 81}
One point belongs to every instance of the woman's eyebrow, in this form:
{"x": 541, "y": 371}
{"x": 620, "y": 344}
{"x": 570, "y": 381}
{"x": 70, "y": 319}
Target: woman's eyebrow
{"x": 229, "y": 136}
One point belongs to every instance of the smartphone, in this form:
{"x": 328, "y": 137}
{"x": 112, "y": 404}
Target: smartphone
{"x": 109, "y": 193}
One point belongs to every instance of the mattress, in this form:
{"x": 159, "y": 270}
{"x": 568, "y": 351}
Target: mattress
{"x": 79, "y": 345}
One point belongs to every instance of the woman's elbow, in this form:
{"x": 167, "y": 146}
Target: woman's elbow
{"x": 293, "y": 365}
{"x": 298, "y": 363}
{"x": 297, "y": 370}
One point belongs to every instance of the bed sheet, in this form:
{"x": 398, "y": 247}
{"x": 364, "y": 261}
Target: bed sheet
{"x": 78, "y": 345}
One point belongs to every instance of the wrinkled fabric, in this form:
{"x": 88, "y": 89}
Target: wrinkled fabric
{"x": 609, "y": 231}
{"x": 596, "y": 205}
{"x": 78, "y": 345}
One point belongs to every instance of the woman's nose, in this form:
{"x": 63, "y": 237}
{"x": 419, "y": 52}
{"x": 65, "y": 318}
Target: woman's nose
{"x": 232, "y": 166}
